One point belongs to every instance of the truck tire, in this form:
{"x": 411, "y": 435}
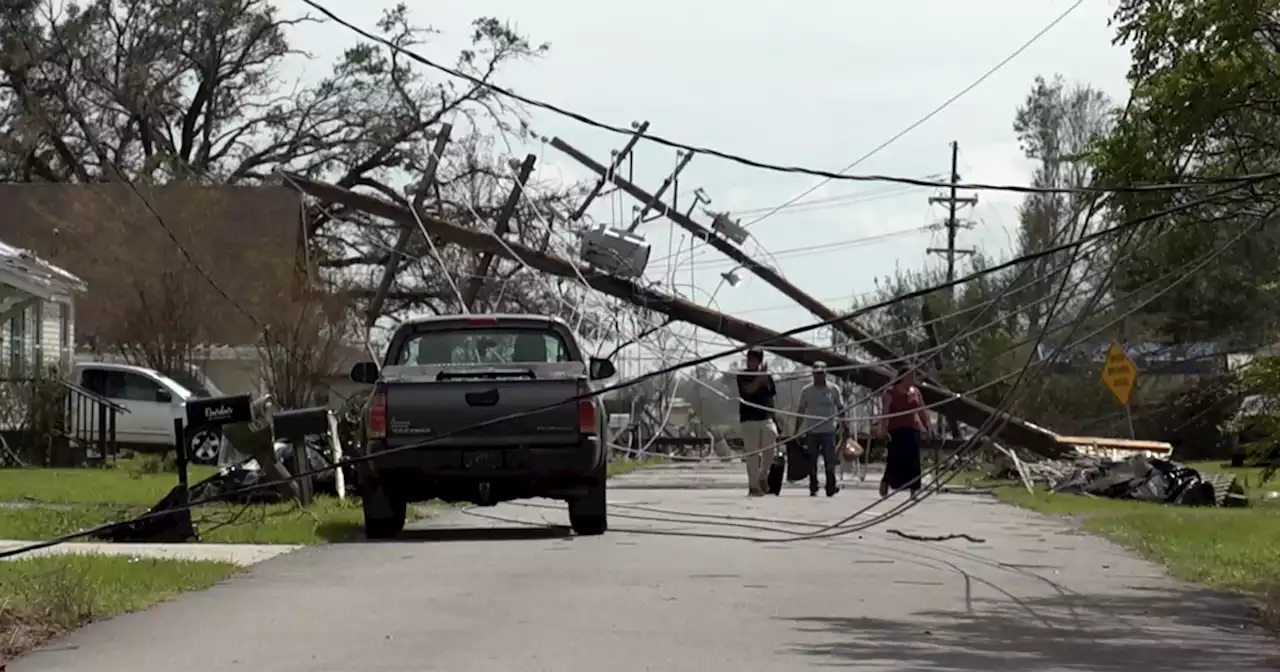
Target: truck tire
{"x": 381, "y": 524}
{"x": 589, "y": 516}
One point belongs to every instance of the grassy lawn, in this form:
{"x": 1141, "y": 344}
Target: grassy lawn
{"x": 54, "y": 502}
{"x": 1229, "y": 548}
{"x": 43, "y": 597}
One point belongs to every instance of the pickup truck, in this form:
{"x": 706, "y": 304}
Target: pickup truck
{"x": 442, "y": 376}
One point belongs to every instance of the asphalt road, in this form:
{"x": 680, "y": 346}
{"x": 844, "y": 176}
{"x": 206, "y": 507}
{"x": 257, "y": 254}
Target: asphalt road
{"x": 476, "y": 594}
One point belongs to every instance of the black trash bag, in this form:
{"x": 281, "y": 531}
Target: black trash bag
{"x": 777, "y": 469}
{"x": 1079, "y": 480}
{"x": 160, "y": 524}
{"x": 798, "y": 460}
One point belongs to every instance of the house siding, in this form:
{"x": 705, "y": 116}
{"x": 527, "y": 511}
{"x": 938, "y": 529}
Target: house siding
{"x": 36, "y": 341}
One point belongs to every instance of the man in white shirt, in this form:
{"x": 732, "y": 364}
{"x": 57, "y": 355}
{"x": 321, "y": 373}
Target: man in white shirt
{"x": 824, "y": 405}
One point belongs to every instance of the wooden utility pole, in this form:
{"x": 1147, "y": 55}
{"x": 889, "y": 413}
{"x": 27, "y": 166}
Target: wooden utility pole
{"x": 859, "y": 337}
{"x": 500, "y": 227}
{"x": 953, "y": 224}
{"x": 406, "y": 228}
{"x": 968, "y": 411}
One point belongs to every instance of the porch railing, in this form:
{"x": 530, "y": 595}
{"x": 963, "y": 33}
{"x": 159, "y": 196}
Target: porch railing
{"x": 55, "y": 422}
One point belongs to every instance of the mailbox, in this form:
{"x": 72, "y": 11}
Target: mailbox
{"x": 301, "y": 422}
{"x": 218, "y": 411}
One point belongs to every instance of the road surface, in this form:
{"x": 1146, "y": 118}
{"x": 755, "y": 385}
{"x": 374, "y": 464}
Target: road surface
{"x": 468, "y": 593}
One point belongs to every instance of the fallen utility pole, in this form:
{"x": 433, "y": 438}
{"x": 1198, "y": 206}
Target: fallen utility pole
{"x": 406, "y": 228}
{"x": 1011, "y": 429}
{"x": 500, "y": 227}
{"x": 860, "y": 338}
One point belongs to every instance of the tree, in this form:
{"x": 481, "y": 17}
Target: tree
{"x": 1056, "y": 127}
{"x": 1204, "y": 85}
{"x": 191, "y": 91}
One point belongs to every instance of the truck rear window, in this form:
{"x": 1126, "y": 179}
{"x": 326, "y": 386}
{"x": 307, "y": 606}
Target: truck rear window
{"x": 497, "y": 345}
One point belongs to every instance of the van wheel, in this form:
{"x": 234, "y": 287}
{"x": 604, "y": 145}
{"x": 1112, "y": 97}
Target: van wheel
{"x": 384, "y": 516}
{"x": 588, "y": 515}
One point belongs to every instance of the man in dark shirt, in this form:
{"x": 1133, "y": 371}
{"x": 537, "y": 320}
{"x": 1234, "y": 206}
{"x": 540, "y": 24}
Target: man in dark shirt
{"x": 756, "y": 393}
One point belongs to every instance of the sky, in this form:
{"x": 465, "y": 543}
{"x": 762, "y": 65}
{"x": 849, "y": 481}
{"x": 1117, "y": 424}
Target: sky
{"x": 799, "y": 83}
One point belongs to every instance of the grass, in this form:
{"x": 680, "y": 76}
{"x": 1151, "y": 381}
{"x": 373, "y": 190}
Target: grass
{"x": 1232, "y": 549}
{"x": 69, "y": 500}
{"x": 130, "y": 482}
{"x": 44, "y": 597}
{"x": 627, "y": 466}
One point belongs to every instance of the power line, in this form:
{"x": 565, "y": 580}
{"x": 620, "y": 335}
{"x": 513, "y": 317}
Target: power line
{"x": 1072, "y": 245}
{"x": 934, "y": 112}
{"x": 830, "y": 175}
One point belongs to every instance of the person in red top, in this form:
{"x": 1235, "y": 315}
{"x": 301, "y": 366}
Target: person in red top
{"x": 906, "y": 424}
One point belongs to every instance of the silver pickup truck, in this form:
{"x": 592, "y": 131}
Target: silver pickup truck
{"x": 444, "y": 375}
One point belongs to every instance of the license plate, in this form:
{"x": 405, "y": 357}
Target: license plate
{"x": 483, "y": 459}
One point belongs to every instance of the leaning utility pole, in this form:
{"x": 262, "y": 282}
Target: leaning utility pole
{"x": 953, "y": 224}
{"x": 863, "y": 339}
{"x": 966, "y": 410}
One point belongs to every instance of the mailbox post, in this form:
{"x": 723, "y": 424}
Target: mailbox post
{"x": 207, "y": 412}
{"x": 296, "y": 425}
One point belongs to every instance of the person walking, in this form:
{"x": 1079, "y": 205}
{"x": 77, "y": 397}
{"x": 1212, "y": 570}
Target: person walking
{"x": 906, "y": 423}
{"x": 820, "y": 411}
{"x": 756, "y": 393}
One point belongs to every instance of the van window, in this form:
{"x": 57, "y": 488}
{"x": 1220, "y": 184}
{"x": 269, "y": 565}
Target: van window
{"x": 483, "y": 346}
{"x": 122, "y": 385}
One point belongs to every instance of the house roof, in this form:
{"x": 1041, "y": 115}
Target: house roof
{"x": 245, "y": 239}
{"x": 26, "y": 265}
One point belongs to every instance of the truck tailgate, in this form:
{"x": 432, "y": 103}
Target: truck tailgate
{"x": 423, "y": 410}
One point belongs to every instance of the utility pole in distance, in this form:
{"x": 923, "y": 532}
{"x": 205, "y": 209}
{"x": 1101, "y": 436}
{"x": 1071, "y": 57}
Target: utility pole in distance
{"x": 953, "y": 224}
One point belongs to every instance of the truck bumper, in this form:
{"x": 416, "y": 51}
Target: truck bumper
{"x": 490, "y": 474}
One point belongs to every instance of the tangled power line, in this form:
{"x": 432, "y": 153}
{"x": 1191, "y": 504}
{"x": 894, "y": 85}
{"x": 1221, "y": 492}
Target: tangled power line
{"x": 941, "y": 473}
{"x": 1072, "y": 241}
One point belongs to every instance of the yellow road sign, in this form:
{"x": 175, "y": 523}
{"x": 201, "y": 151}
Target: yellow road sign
{"x": 1119, "y": 373}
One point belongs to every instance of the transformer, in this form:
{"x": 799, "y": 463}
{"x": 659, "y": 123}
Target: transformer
{"x": 615, "y": 252}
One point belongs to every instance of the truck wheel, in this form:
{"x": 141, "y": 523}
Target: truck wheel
{"x": 589, "y": 516}
{"x": 385, "y": 521}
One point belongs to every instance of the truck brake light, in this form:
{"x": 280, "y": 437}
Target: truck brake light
{"x": 586, "y": 416}
{"x": 377, "y": 426}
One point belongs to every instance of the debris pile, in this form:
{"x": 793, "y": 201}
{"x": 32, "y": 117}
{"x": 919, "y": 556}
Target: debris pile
{"x": 1141, "y": 478}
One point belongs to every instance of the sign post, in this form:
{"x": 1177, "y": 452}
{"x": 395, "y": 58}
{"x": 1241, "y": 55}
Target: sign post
{"x": 1120, "y": 375}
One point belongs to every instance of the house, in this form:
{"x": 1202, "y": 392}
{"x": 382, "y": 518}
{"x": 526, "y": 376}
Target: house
{"x": 37, "y": 314}
{"x": 1161, "y": 368}
{"x": 192, "y": 263}
{"x": 37, "y": 336}
{"x": 176, "y": 264}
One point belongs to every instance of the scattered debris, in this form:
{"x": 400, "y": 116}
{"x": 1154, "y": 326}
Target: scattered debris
{"x": 1140, "y": 477}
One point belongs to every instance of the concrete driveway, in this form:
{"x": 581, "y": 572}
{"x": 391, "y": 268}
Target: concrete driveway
{"x": 505, "y": 592}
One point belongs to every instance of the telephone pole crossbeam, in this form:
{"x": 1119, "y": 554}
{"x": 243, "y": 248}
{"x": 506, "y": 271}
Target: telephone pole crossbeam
{"x": 953, "y": 224}
{"x": 618, "y": 158}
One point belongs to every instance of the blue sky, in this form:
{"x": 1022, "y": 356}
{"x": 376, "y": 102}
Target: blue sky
{"x": 804, "y": 82}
